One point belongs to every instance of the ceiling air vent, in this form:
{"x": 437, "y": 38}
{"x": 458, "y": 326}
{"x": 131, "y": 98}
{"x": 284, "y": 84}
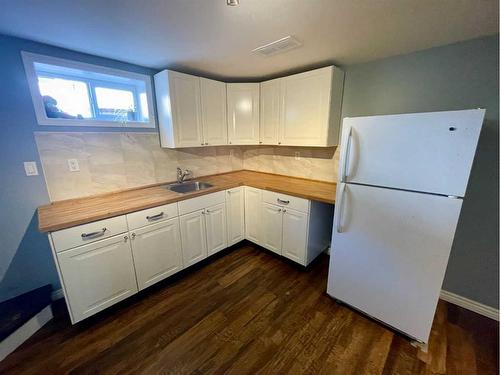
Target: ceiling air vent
{"x": 278, "y": 46}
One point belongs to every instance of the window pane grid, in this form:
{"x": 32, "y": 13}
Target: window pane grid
{"x": 68, "y": 93}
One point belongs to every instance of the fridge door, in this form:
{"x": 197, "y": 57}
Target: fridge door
{"x": 428, "y": 152}
{"x": 389, "y": 252}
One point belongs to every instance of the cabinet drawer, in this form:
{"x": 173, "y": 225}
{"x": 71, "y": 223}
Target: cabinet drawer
{"x": 284, "y": 200}
{"x": 198, "y": 203}
{"x": 83, "y": 234}
{"x": 152, "y": 215}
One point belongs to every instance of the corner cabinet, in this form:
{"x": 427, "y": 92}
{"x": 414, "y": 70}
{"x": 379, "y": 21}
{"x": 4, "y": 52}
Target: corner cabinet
{"x": 303, "y": 109}
{"x": 191, "y": 110}
{"x": 243, "y": 113}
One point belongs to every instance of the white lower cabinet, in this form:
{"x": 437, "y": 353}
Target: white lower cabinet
{"x": 253, "y": 214}
{"x": 295, "y": 226}
{"x": 235, "y": 210}
{"x": 97, "y": 275}
{"x": 299, "y": 234}
{"x": 157, "y": 252}
{"x": 99, "y": 267}
{"x": 193, "y": 237}
{"x": 272, "y": 227}
{"x": 215, "y": 224}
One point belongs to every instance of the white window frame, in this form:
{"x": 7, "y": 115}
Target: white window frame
{"x": 30, "y": 58}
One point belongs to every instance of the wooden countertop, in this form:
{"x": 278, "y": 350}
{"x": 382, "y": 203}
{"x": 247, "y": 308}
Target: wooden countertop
{"x": 68, "y": 213}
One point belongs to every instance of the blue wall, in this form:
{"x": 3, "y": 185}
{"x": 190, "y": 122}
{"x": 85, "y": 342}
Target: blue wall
{"x": 26, "y": 261}
{"x": 458, "y": 76}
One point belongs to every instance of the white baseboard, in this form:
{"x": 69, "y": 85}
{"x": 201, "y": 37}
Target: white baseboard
{"x": 57, "y": 294}
{"x": 24, "y": 332}
{"x": 471, "y": 305}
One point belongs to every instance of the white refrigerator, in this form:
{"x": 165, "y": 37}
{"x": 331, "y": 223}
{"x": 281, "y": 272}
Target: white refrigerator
{"x": 402, "y": 179}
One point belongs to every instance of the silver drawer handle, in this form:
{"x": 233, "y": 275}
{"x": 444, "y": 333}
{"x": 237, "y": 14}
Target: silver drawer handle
{"x": 155, "y": 217}
{"x": 94, "y": 234}
{"x": 282, "y": 201}
{"x": 208, "y": 211}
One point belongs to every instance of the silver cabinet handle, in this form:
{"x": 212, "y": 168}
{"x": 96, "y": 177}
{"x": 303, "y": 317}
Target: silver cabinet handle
{"x": 132, "y": 236}
{"x": 208, "y": 211}
{"x": 94, "y": 234}
{"x": 277, "y": 210}
{"x": 284, "y": 210}
{"x": 346, "y": 153}
{"x": 282, "y": 201}
{"x": 125, "y": 238}
{"x": 340, "y": 209}
{"x": 155, "y": 217}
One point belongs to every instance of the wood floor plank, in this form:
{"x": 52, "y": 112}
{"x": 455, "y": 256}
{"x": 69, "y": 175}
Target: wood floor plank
{"x": 247, "y": 311}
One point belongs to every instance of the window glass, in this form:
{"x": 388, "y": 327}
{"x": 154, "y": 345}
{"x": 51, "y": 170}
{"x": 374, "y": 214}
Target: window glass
{"x": 64, "y": 98}
{"x": 116, "y": 104}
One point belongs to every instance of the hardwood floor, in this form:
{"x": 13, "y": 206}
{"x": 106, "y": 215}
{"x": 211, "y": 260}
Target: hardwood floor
{"x": 247, "y": 312}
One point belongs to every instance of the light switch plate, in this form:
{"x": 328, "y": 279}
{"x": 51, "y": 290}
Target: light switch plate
{"x": 73, "y": 165}
{"x": 30, "y": 168}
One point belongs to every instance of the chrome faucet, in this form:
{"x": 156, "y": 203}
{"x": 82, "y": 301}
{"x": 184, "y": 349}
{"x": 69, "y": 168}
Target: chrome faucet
{"x": 182, "y": 174}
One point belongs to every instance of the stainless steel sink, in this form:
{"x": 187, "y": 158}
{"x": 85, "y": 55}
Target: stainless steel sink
{"x": 188, "y": 187}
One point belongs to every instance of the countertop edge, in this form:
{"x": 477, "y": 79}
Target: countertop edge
{"x": 124, "y": 211}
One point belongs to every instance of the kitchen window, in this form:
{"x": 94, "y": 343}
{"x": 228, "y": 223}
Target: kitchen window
{"x": 71, "y": 93}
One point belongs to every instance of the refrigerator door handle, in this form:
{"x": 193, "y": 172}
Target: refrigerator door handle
{"x": 338, "y": 225}
{"x": 345, "y": 159}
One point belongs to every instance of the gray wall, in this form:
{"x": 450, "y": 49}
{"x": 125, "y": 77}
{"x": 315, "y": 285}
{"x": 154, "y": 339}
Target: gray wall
{"x": 25, "y": 259}
{"x": 457, "y": 76}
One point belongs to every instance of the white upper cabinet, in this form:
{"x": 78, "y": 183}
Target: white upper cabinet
{"x": 303, "y": 109}
{"x": 298, "y": 110}
{"x": 243, "y": 113}
{"x": 213, "y": 112}
{"x": 178, "y": 99}
{"x": 191, "y": 110}
{"x": 270, "y": 111}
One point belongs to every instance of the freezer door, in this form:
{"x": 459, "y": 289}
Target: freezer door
{"x": 428, "y": 152}
{"x": 389, "y": 254}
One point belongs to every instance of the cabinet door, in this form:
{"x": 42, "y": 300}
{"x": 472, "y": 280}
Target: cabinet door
{"x": 186, "y": 109}
{"x": 213, "y": 109}
{"x": 157, "y": 252}
{"x": 97, "y": 275}
{"x": 272, "y": 227}
{"x": 270, "y": 105}
{"x": 294, "y": 235}
{"x": 306, "y": 108}
{"x": 235, "y": 207}
{"x": 193, "y": 238}
{"x": 243, "y": 113}
{"x": 253, "y": 210}
{"x": 215, "y": 220}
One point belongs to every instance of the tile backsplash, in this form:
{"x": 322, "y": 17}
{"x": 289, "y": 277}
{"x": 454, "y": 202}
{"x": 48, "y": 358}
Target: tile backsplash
{"x": 317, "y": 163}
{"x": 115, "y": 161}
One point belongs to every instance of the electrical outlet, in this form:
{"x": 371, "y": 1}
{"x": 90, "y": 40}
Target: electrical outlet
{"x": 73, "y": 165}
{"x": 297, "y": 155}
{"x": 231, "y": 152}
{"x": 30, "y": 168}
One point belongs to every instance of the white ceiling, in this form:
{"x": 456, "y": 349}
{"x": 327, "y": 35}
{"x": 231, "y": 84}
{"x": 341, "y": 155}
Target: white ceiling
{"x": 207, "y": 36}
